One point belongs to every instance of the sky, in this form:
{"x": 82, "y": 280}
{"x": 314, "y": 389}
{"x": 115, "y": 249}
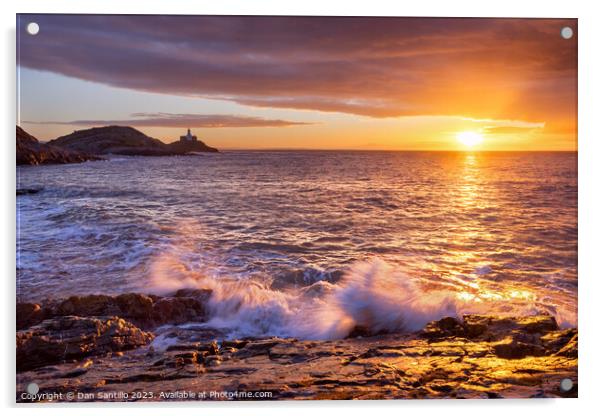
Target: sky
{"x": 252, "y": 82}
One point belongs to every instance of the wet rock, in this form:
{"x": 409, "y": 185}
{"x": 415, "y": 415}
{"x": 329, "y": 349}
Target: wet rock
{"x": 28, "y": 191}
{"x": 537, "y": 324}
{"x": 475, "y": 325}
{"x": 77, "y": 372}
{"x": 443, "y": 328}
{"x": 190, "y": 357}
{"x": 134, "y": 306}
{"x": 514, "y": 337}
{"x": 200, "y": 294}
{"x": 29, "y": 314}
{"x": 289, "y": 351}
{"x": 570, "y": 350}
{"x": 212, "y": 361}
{"x": 359, "y": 331}
{"x": 514, "y": 348}
{"x": 495, "y": 328}
{"x": 555, "y": 341}
{"x": 254, "y": 348}
{"x": 444, "y": 388}
{"x": 177, "y": 310}
{"x": 89, "y": 305}
{"x": 69, "y": 337}
{"x": 145, "y": 311}
{"x": 238, "y": 344}
{"x": 211, "y": 348}
{"x": 183, "y": 347}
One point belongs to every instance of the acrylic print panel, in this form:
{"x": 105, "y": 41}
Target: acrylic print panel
{"x": 278, "y": 208}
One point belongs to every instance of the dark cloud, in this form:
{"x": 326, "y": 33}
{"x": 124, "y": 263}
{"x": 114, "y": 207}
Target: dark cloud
{"x": 181, "y": 120}
{"x": 379, "y": 67}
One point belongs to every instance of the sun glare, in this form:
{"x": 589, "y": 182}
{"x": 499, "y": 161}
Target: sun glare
{"x": 469, "y": 138}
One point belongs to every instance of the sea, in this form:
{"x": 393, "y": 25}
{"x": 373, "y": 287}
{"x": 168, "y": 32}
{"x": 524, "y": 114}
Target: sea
{"x": 310, "y": 244}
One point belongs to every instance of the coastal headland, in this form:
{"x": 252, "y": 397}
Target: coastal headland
{"x": 98, "y": 142}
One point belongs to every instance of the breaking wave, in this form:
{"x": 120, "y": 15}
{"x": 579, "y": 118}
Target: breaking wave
{"x": 373, "y": 295}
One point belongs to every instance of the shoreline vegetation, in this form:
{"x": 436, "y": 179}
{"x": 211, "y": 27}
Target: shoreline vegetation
{"x": 101, "y": 346}
{"x": 93, "y": 144}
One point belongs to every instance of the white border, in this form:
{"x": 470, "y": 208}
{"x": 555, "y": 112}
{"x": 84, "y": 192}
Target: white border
{"x": 590, "y": 173}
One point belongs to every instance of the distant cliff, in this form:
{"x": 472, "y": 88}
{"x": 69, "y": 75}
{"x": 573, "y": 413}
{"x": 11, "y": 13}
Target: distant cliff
{"x": 123, "y": 140}
{"x": 31, "y": 152}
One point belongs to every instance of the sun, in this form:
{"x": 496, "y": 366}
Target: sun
{"x": 469, "y": 138}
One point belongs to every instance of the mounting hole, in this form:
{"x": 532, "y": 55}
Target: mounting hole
{"x": 566, "y": 384}
{"x": 33, "y": 388}
{"x": 566, "y": 32}
{"x": 33, "y": 28}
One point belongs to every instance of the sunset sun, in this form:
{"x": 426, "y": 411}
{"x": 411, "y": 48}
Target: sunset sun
{"x": 469, "y": 138}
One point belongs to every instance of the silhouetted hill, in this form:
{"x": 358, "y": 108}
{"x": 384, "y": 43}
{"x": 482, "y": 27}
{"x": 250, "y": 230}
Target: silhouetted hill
{"x": 111, "y": 139}
{"x": 31, "y": 152}
{"x": 123, "y": 140}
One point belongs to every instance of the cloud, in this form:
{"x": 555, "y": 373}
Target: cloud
{"x": 510, "y": 129}
{"x": 182, "y": 120}
{"x": 376, "y": 67}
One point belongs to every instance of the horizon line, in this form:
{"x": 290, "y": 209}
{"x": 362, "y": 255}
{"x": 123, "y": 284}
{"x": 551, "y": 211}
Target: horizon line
{"x": 293, "y": 149}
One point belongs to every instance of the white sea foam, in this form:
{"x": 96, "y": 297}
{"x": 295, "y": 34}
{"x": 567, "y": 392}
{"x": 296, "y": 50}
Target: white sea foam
{"x": 373, "y": 295}
{"x": 379, "y": 297}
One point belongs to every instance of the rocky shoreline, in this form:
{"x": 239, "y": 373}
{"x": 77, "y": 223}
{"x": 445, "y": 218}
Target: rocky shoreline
{"x": 131, "y": 347}
{"x": 31, "y": 152}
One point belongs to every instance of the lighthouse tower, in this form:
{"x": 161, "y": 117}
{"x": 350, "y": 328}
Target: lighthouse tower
{"x": 188, "y": 138}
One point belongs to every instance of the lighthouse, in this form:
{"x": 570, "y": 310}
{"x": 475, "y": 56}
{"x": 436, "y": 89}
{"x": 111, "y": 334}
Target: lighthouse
{"x": 188, "y": 138}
